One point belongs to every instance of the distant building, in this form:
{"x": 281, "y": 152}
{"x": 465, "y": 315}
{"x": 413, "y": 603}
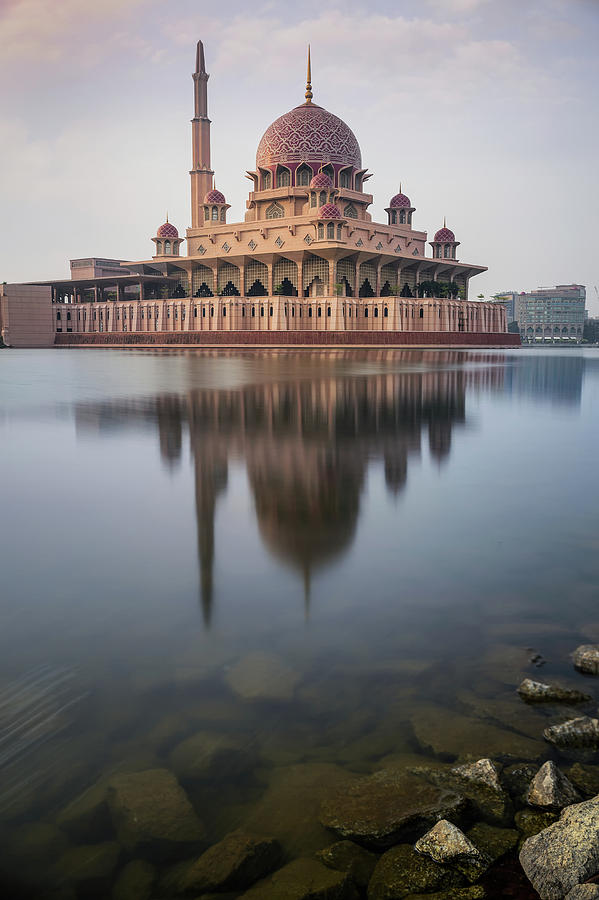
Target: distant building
{"x": 94, "y": 267}
{"x": 507, "y": 299}
{"x": 552, "y": 314}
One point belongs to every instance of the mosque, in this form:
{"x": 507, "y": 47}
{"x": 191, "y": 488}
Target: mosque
{"x": 308, "y": 265}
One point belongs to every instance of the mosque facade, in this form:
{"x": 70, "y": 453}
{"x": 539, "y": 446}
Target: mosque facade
{"x": 308, "y": 265}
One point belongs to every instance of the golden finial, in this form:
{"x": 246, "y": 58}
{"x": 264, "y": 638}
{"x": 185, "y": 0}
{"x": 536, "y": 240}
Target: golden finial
{"x": 444, "y": 222}
{"x": 167, "y": 215}
{"x": 309, "y": 80}
{"x": 400, "y": 187}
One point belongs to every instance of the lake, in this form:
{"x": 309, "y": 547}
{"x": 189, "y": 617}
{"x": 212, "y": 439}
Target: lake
{"x": 267, "y": 571}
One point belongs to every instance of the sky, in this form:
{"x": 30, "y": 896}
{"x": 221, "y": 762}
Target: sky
{"x": 486, "y": 111}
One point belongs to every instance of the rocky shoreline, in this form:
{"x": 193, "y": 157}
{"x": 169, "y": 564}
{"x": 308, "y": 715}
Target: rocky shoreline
{"x": 414, "y": 828}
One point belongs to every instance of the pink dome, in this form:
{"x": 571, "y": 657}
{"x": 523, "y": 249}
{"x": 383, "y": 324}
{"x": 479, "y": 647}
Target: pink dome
{"x": 400, "y": 200}
{"x": 214, "y": 196}
{"x": 167, "y": 231}
{"x": 445, "y": 236}
{"x": 321, "y": 182}
{"x": 308, "y": 133}
{"x": 329, "y": 211}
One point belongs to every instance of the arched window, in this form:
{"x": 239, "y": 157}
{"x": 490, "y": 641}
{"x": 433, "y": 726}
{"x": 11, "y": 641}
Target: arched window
{"x": 284, "y": 276}
{"x": 206, "y": 213}
{"x": 394, "y": 217}
{"x": 315, "y": 276}
{"x": 322, "y": 198}
{"x": 386, "y": 312}
{"x": 345, "y": 178}
{"x": 158, "y": 248}
{"x": 275, "y": 211}
{"x": 256, "y": 279}
{"x": 338, "y": 232}
{"x": 350, "y": 211}
{"x": 215, "y": 213}
{"x": 331, "y": 231}
{"x": 402, "y": 217}
{"x": 409, "y": 218}
{"x": 303, "y": 175}
{"x": 283, "y": 177}
{"x": 320, "y": 230}
{"x": 447, "y": 253}
{"x": 313, "y": 198}
{"x": 346, "y": 276}
{"x": 223, "y": 214}
{"x": 228, "y": 281}
{"x": 367, "y": 280}
{"x": 358, "y": 186}
{"x": 266, "y": 180}
{"x": 421, "y": 313}
{"x": 167, "y": 248}
{"x": 329, "y": 170}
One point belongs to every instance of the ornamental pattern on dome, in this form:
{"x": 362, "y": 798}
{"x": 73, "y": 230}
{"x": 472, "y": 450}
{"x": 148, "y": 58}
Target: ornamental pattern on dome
{"x": 445, "y": 235}
{"x": 329, "y": 211}
{"x": 321, "y": 182}
{"x": 214, "y": 196}
{"x": 308, "y": 132}
{"x": 400, "y": 200}
{"x": 167, "y": 231}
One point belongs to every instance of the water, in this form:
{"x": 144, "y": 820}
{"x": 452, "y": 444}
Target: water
{"x": 347, "y": 559}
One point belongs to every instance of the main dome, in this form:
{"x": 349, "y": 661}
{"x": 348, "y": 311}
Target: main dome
{"x": 308, "y": 133}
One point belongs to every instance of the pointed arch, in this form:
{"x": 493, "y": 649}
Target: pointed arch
{"x": 350, "y": 212}
{"x": 255, "y": 279}
{"x": 283, "y": 176}
{"x": 284, "y": 273}
{"x": 228, "y": 280}
{"x": 303, "y": 175}
{"x": 202, "y": 281}
{"x": 367, "y": 280}
{"x": 275, "y": 211}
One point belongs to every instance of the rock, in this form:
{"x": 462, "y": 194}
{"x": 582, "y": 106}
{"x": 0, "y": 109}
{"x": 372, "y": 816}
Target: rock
{"x": 530, "y": 821}
{"x": 584, "y": 892}
{"x": 33, "y": 847}
{"x": 89, "y": 866}
{"x": 382, "y": 809}
{"x": 345, "y": 856}
{"x": 585, "y": 779}
{"x": 472, "y": 892}
{"x": 262, "y": 676}
{"x": 402, "y": 871}
{"x": 152, "y": 814}
{"x": 87, "y": 817}
{"x": 135, "y": 881}
{"x": 539, "y": 692}
{"x": 446, "y": 844}
{"x": 586, "y": 658}
{"x": 517, "y": 779}
{"x": 566, "y": 853}
{"x": 575, "y": 734}
{"x": 234, "y": 863}
{"x": 492, "y": 841}
{"x": 484, "y": 771}
{"x": 448, "y": 733}
{"x": 289, "y": 807}
{"x": 551, "y": 790}
{"x": 302, "y": 879}
{"x": 210, "y": 755}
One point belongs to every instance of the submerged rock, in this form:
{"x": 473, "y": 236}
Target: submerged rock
{"x": 584, "y": 892}
{"x": 585, "y": 779}
{"x": 532, "y": 821}
{"x": 581, "y": 733}
{"x": 234, "y": 863}
{"x": 151, "y": 813}
{"x": 540, "y": 692}
{"x": 550, "y": 789}
{"x": 517, "y": 778}
{"x": 472, "y": 892}
{"x": 446, "y": 843}
{"x": 211, "y": 755}
{"x": 88, "y": 867}
{"x": 402, "y": 871}
{"x": 135, "y": 881}
{"x": 355, "y": 861}
{"x": 586, "y": 658}
{"x": 302, "y": 879}
{"x": 389, "y": 806}
{"x": 288, "y": 809}
{"x": 492, "y": 841}
{"x": 566, "y": 853}
{"x": 478, "y": 782}
{"x": 262, "y": 676}
{"x": 448, "y": 733}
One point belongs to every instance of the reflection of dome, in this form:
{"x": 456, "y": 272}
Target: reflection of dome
{"x": 214, "y": 196}
{"x": 308, "y": 133}
{"x": 329, "y": 211}
{"x": 167, "y": 231}
{"x": 400, "y": 200}
{"x": 321, "y": 182}
{"x": 445, "y": 235}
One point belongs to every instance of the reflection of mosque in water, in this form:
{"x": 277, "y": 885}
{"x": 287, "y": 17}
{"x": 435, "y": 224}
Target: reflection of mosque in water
{"x": 307, "y": 445}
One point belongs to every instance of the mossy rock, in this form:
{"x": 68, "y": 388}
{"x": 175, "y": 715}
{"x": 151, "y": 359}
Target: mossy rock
{"x": 89, "y": 867}
{"x": 135, "y": 881}
{"x": 531, "y": 821}
{"x": 303, "y": 879}
{"x": 585, "y": 778}
{"x": 355, "y": 861}
{"x": 473, "y": 892}
{"x": 494, "y": 842}
{"x": 401, "y": 872}
{"x": 234, "y": 863}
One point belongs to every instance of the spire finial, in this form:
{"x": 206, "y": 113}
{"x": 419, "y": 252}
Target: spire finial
{"x": 309, "y": 80}
{"x": 400, "y": 187}
{"x": 444, "y": 222}
{"x": 200, "y": 62}
{"x": 167, "y": 215}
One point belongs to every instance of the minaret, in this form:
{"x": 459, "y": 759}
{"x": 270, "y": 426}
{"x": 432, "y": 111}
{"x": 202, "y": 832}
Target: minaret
{"x": 201, "y": 173}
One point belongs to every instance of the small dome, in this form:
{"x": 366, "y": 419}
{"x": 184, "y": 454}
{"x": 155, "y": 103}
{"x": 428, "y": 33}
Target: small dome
{"x": 167, "y": 231}
{"x": 445, "y": 236}
{"x": 214, "y": 196}
{"x": 400, "y": 200}
{"x": 329, "y": 211}
{"x": 321, "y": 182}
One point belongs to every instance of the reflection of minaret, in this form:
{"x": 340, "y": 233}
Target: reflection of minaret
{"x": 168, "y": 412}
{"x": 396, "y": 467}
{"x": 210, "y": 480}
